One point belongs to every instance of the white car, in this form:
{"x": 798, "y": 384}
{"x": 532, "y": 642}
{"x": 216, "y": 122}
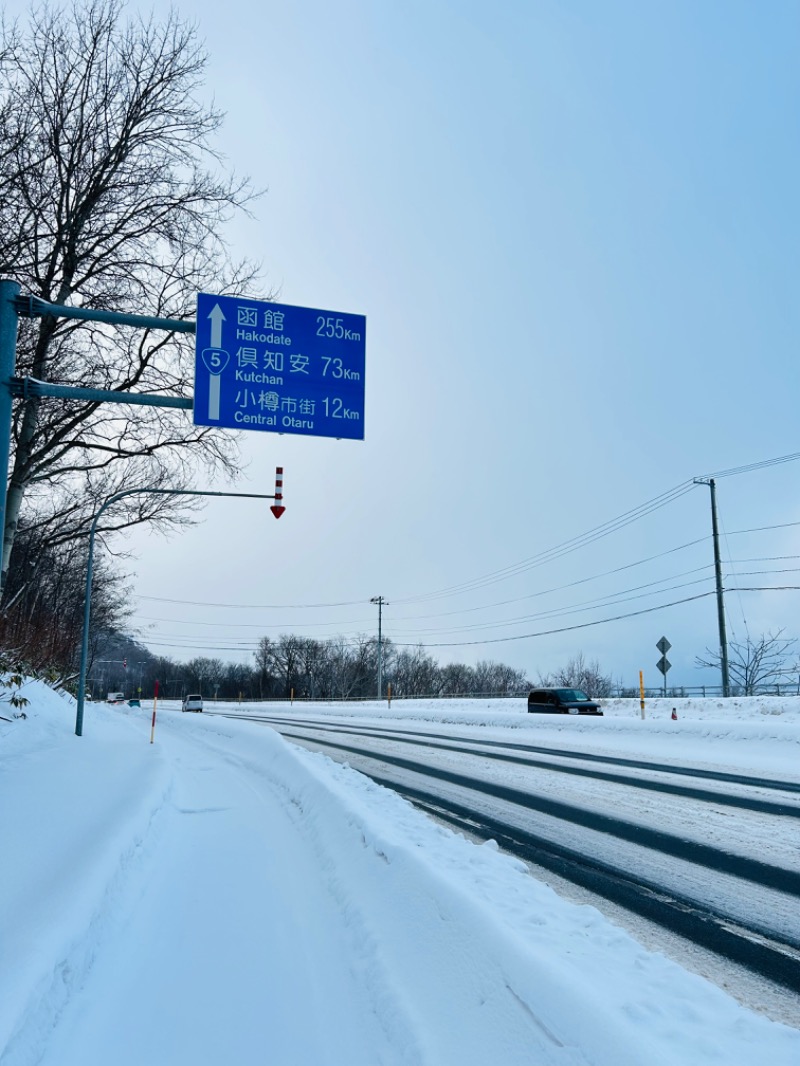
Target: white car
{"x": 192, "y": 703}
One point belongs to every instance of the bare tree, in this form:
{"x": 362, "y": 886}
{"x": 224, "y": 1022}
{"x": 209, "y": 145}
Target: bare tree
{"x": 48, "y": 583}
{"x": 238, "y": 680}
{"x": 313, "y": 662}
{"x": 415, "y": 673}
{"x": 756, "y": 663}
{"x": 578, "y": 673}
{"x": 509, "y": 681}
{"x": 287, "y": 659}
{"x": 206, "y": 674}
{"x": 363, "y": 656}
{"x": 265, "y": 665}
{"x": 341, "y": 669}
{"x": 112, "y": 197}
{"x": 456, "y": 679}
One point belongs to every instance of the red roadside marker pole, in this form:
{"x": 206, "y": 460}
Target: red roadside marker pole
{"x": 278, "y": 508}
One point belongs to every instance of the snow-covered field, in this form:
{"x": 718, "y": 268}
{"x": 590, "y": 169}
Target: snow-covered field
{"x": 223, "y": 897}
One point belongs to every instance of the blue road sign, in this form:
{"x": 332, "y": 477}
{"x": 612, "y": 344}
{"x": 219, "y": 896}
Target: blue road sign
{"x": 279, "y": 368}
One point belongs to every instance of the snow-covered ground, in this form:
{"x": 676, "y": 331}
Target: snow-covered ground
{"x": 224, "y": 897}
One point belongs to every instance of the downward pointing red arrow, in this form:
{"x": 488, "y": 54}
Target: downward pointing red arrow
{"x": 277, "y": 511}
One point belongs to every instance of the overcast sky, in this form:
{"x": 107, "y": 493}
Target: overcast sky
{"x": 573, "y": 229}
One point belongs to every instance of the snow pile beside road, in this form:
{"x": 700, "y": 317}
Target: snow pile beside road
{"x": 489, "y": 950}
{"x": 444, "y": 950}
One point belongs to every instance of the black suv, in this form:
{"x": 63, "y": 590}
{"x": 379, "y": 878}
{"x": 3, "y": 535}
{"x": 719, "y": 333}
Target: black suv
{"x": 562, "y": 701}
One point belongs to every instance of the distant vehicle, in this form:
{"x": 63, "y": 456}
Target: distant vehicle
{"x": 562, "y": 701}
{"x": 116, "y": 697}
{"x": 192, "y": 703}
{"x": 134, "y": 703}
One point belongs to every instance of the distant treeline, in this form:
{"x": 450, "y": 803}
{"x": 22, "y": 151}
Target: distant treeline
{"x": 308, "y": 669}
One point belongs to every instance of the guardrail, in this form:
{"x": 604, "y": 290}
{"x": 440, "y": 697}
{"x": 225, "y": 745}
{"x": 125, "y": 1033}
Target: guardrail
{"x": 620, "y": 692}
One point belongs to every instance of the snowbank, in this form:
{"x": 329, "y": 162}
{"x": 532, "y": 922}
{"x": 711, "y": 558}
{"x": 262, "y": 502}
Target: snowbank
{"x": 435, "y": 950}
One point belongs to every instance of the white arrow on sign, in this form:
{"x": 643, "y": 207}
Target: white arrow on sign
{"x": 217, "y": 318}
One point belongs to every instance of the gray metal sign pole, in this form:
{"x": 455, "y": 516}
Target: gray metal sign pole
{"x": 87, "y": 603}
{"x": 663, "y": 663}
{"x": 9, "y": 323}
{"x": 12, "y": 305}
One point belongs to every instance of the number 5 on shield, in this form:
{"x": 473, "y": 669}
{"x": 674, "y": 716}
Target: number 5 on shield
{"x": 215, "y": 360}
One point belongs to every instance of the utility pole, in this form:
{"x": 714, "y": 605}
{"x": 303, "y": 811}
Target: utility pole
{"x": 381, "y": 602}
{"x": 723, "y": 640}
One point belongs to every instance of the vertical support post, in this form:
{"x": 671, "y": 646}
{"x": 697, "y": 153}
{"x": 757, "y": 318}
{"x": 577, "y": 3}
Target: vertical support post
{"x": 380, "y": 649}
{"x": 380, "y": 602}
{"x": 641, "y": 692}
{"x": 9, "y": 324}
{"x": 87, "y": 607}
{"x": 723, "y": 639}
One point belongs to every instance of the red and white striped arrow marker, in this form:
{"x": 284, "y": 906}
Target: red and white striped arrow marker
{"x": 278, "y": 508}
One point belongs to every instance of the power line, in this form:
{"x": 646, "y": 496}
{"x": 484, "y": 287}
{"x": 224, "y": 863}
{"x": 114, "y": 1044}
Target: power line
{"x": 623, "y": 596}
{"x": 505, "y": 640}
{"x": 440, "y": 614}
{"x": 515, "y": 570}
{"x": 598, "y": 533}
{"x": 534, "y": 561}
{"x": 763, "y": 529}
{"x": 594, "y": 604}
{"x": 564, "y": 629}
{"x": 566, "y": 548}
{"x": 768, "y": 588}
{"x": 252, "y": 625}
{"x": 559, "y": 612}
{"x": 561, "y": 588}
{"x": 254, "y": 606}
{"x": 750, "y": 467}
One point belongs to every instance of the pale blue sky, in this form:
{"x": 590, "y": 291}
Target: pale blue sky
{"x": 573, "y": 229}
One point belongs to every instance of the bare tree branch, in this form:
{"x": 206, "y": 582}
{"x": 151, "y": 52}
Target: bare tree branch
{"x": 756, "y": 663}
{"x": 113, "y": 196}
